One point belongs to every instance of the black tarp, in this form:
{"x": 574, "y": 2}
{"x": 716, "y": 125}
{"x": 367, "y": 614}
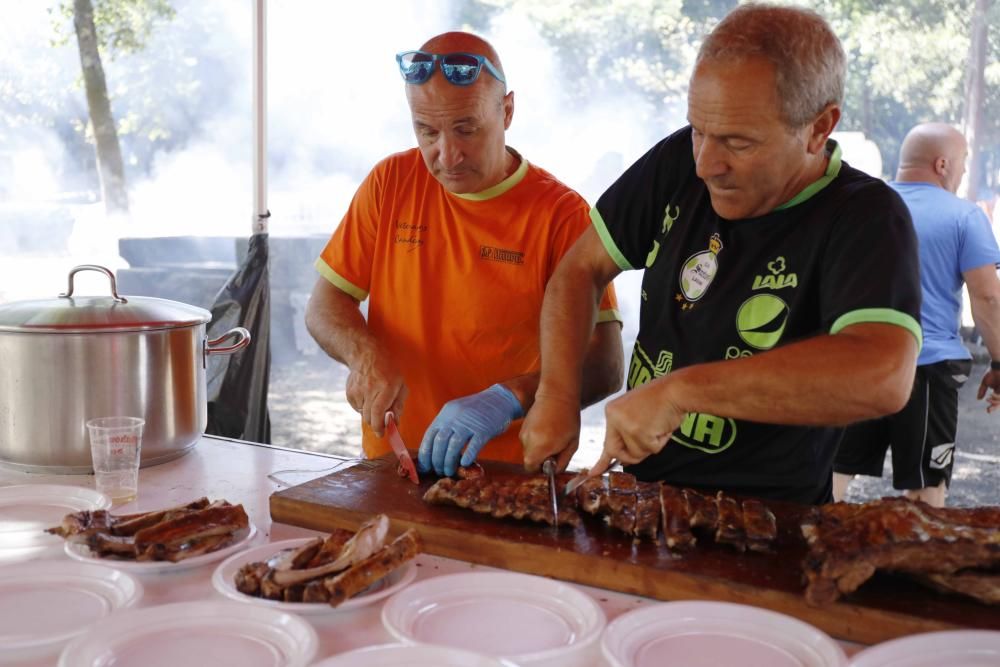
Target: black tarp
{"x": 237, "y": 383}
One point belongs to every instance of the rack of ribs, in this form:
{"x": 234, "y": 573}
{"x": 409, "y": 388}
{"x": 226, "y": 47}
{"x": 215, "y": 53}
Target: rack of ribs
{"x": 172, "y": 534}
{"x": 516, "y": 497}
{"x": 643, "y": 509}
{"x": 330, "y": 570}
{"x": 954, "y": 549}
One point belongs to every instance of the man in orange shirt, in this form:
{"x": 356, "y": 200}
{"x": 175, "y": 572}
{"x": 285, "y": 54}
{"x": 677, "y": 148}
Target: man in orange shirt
{"x": 453, "y": 242}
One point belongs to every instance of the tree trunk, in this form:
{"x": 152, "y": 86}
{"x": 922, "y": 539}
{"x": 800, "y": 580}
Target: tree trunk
{"x": 974, "y": 96}
{"x": 109, "y": 152}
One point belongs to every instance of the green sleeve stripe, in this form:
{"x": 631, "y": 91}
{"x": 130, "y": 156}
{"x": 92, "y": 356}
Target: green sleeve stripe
{"x": 883, "y": 315}
{"x": 609, "y": 315}
{"x": 609, "y": 243}
{"x": 339, "y": 281}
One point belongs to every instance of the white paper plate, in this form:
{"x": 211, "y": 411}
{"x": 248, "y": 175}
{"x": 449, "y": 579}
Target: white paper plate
{"x": 80, "y": 552}
{"x": 27, "y": 510}
{"x": 195, "y": 633}
{"x": 528, "y": 620}
{"x": 707, "y": 634}
{"x": 954, "y": 648}
{"x": 222, "y": 580}
{"x": 411, "y": 655}
{"x": 43, "y": 605}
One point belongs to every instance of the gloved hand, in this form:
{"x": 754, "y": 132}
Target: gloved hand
{"x": 468, "y": 422}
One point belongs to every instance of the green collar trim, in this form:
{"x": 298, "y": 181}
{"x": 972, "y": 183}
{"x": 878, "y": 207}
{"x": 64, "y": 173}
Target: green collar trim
{"x": 501, "y": 187}
{"x": 832, "y": 169}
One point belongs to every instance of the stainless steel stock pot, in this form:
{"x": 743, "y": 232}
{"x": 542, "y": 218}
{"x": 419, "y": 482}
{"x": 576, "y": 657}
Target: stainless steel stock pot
{"x": 68, "y": 359}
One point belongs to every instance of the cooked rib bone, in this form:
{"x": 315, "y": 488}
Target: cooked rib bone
{"x": 376, "y": 566}
{"x": 213, "y": 520}
{"x": 290, "y": 559}
{"x": 130, "y": 524}
{"x": 520, "y": 497}
{"x": 369, "y": 539}
{"x": 332, "y": 546}
{"x": 676, "y": 526}
{"x": 760, "y": 525}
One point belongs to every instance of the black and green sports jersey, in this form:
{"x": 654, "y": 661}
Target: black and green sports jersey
{"x": 841, "y": 252}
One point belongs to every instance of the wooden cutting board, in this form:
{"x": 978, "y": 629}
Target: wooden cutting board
{"x": 885, "y": 607}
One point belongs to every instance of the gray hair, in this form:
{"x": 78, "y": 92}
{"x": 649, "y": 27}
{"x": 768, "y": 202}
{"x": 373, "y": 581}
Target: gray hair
{"x": 809, "y": 61}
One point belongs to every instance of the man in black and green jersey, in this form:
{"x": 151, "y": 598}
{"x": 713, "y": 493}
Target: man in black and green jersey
{"x": 781, "y": 293}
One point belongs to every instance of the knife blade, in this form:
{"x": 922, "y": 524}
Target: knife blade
{"x": 396, "y": 442}
{"x": 582, "y": 477}
{"x": 549, "y": 468}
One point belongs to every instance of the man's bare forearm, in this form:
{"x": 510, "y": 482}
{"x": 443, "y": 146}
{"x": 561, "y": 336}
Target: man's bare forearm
{"x": 863, "y": 372}
{"x": 334, "y": 320}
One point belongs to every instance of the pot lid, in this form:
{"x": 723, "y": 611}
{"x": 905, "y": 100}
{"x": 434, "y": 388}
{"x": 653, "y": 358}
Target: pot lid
{"x": 96, "y": 314}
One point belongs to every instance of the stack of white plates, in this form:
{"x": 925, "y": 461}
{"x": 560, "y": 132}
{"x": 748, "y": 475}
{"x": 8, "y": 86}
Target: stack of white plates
{"x": 44, "y": 605}
{"x": 709, "y": 634}
{"x": 27, "y": 510}
{"x": 956, "y": 648}
{"x": 521, "y": 618}
{"x": 412, "y": 655}
{"x": 195, "y": 633}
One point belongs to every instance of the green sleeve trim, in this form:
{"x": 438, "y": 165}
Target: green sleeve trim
{"x": 339, "y": 281}
{"x": 609, "y": 315}
{"x": 832, "y": 169}
{"x": 882, "y": 315}
{"x": 609, "y": 243}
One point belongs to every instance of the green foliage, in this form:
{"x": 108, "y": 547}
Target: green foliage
{"x": 907, "y": 60}
{"x": 123, "y": 26}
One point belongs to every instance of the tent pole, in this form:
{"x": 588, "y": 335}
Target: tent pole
{"x": 260, "y": 211}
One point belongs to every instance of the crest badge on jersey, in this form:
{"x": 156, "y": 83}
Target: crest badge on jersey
{"x": 699, "y": 270}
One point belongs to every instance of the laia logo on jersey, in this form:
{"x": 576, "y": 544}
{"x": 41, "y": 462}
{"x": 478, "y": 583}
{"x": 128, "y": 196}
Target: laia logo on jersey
{"x": 777, "y": 278}
{"x": 501, "y": 255}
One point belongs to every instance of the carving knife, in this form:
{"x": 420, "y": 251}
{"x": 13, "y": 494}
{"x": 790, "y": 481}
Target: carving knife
{"x": 406, "y": 467}
{"x": 582, "y": 477}
{"x": 549, "y": 468}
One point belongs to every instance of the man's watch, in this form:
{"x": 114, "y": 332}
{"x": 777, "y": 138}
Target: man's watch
{"x": 994, "y": 365}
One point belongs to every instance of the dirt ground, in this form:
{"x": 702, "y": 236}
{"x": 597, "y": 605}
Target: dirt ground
{"x": 309, "y": 411}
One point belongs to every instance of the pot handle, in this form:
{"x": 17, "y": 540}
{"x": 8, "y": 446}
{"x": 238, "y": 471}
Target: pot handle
{"x": 242, "y": 340}
{"x": 93, "y": 267}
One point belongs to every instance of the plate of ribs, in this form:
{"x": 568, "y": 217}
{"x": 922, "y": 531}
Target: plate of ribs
{"x": 716, "y": 633}
{"x": 181, "y": 537}
{"x": 342, "y": 571}
{"x": 638, "y": 509}
{"x": 951, "y": 549}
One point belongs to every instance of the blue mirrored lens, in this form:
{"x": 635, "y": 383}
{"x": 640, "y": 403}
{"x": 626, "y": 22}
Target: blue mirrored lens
{"x": 417, "y": 72}
{"x": 461, "y": 69}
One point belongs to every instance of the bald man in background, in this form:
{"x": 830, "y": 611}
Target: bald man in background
{"x": 956, "y": 245}
{"x": 452, "y": 244}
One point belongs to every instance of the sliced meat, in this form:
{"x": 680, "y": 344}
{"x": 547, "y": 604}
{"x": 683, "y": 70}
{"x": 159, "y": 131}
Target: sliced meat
{"x": 592, "y": 495}
{"x": 760, "y": 525}
{"x": 730, "y": 529}
{"x": 522, "y": 497}
{"x": 193, "y": 525}
{"x": 362, "y": 575}
{"x": 704, "y": 511}
{"x": 676, "y": 524}
{"x": 622, "y": 489}
{"x": 647, "y": 510}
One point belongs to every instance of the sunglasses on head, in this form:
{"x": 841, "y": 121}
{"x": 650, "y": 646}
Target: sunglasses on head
{"x": 461, "y": 69}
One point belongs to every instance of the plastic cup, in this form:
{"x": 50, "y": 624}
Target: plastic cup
{"x": 115, "y": 443}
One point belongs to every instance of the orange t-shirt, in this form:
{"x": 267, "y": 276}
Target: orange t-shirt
{"x": 455, "y": 281}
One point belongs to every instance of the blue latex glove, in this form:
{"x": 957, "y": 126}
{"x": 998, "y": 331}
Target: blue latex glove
{"x": 469, "y": 422}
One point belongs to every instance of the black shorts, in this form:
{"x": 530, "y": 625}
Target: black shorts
{"x": 921, "y": 435}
